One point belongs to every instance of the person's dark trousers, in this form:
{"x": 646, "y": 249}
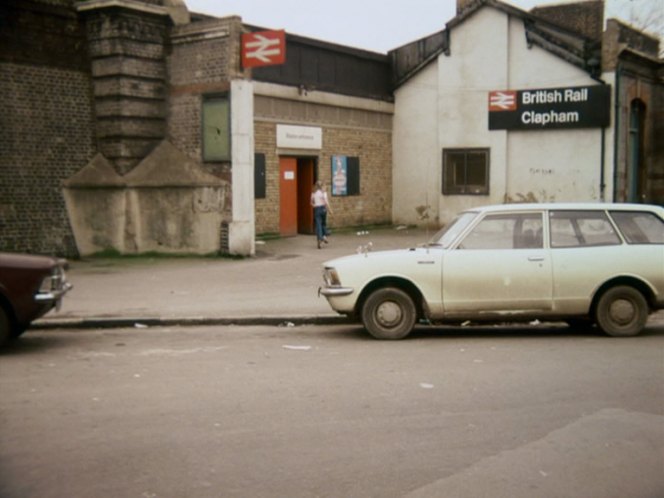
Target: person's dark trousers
{"x": 320, "y": 215}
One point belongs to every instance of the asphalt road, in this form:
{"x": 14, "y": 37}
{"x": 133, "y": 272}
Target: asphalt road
{"x": 327, "y": 411}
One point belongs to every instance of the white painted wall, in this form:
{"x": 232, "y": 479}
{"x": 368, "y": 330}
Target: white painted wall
{"x": 446, "y": 106}
{"x": 478, "y": 62}
{"x": 553, "y": 165}
{"x": 416, "y": 177}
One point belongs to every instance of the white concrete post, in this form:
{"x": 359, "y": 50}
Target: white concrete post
{"x": 241, "y": 235}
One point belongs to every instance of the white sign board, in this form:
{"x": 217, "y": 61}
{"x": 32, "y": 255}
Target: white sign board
{"x": 299, "y": 137}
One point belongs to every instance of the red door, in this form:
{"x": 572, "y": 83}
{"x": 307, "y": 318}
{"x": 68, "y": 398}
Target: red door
{"x": 305, "y": 182}
{"x": 287, "y": 196}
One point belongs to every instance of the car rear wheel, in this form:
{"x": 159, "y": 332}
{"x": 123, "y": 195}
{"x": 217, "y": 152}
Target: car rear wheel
{"x": 389, "y": 313}
{"x": 5, "y": 329}
{"x": 622, "y": 311}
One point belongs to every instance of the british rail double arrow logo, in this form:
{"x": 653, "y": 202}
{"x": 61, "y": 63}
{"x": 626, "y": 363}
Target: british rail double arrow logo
{"x": 263, "y": 48}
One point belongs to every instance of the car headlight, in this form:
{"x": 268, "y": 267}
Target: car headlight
{"x": 54, "y": 282}
{"x": 331, "y": 277}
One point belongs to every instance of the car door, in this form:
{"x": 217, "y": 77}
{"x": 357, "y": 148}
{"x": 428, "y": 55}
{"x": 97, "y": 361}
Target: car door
{"x": 587, "y": 251}
{"x": 501, "y": 265}
{"x": 644, "y": 233}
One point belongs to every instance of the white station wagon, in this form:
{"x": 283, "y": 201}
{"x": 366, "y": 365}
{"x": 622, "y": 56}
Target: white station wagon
{"x": 573, "y": 262}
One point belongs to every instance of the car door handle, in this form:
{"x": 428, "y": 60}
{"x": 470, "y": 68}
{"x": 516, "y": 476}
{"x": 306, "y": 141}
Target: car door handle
{"x": 535, "y": 258}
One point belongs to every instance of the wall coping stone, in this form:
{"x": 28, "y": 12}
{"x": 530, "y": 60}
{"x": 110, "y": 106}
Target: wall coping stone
{"x": 99, "y": 172}
{"x": 166, "y": 166}
{"x": 175, "y": 9}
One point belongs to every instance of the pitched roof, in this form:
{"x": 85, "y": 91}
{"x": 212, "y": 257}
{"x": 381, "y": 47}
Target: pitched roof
{"x": 576, "y": 48}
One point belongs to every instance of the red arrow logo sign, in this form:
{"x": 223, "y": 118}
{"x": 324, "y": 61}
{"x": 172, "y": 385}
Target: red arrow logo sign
{"x": 263, "y": 48}
{"x": 505, "y": 100}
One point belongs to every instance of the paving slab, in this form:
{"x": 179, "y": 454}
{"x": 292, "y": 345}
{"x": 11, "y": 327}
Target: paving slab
{"x": 279, "y": 284}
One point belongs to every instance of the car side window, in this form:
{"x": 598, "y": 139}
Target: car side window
{"x": 506, "y": 231}
{"x": 581, "y": 229}
{"x": 639, "y": 227}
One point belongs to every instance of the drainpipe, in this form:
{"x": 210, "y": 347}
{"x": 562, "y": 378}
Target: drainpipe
{"x": 602, "y": 183}
{"x": 616, "y": 107}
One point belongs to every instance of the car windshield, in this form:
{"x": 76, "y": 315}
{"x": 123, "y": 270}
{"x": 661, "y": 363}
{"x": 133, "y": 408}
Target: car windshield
{"x": 448, "y": 234}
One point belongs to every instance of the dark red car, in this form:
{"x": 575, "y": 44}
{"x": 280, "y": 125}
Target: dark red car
{"x": 30, "y": 286}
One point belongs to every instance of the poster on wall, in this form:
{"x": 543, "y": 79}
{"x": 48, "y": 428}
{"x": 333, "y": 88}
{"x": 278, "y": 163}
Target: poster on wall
{"x": 550, "y": 108}
{"x": 339, "y": 175}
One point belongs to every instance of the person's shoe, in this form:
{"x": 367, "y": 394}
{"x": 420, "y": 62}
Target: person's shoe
{"x": 319, "y": 244}
{"x": 325, "y": 240}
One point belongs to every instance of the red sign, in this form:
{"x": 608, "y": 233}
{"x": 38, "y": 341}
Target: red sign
{"x": 263, "y": 48}
{"x": 502, "y": 101}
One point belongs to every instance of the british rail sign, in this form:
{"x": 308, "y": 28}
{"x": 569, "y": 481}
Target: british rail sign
{"x": 550, "y": 108}
{"x": 263, "y": 48}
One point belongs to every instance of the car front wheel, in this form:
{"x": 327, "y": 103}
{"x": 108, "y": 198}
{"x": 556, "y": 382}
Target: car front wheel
{"x": 389, "y": 313}
{"x": 622, "y": 311}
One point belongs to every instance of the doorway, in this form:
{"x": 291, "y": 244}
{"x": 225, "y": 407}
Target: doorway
{"x": 296, "y": 178}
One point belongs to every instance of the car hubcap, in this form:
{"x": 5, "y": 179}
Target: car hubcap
{"x": 622, "y": 311}
{"x": 388, "y": 314}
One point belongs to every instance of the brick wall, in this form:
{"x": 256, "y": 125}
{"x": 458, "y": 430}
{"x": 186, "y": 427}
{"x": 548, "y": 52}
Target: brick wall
{"x": 637, "y": 88}
{"x": 585, "y": 17}
{"x": 202, "y": 61}
{"x": 127, "y": 57}
{"x": 656, "y": 183}
{"x": 374, "y": 149}
{"x": 619, "y": 36}
{"x": 46, "y": 122}
{"x": 46, "y": 137}
{"x": 638, "y": 77}
{"x": 266, "y": 210}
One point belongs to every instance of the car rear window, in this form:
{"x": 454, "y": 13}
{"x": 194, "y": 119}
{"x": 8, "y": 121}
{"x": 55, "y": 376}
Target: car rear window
{"x": 581, "y": 229}
{"x": 640, "y": 227}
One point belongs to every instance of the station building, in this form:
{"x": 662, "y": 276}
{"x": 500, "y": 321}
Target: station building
{"x": 328, "y": 110}
{"x": 511, "y": 106}
{"x": 135, "y": 126}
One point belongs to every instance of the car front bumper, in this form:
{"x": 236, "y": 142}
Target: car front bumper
{"x": 53, "y": 296}
{"x": 335, "y": 291}
{"x": 341, "y": 299}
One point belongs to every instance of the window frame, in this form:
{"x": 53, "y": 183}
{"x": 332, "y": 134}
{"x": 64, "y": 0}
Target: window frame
{"x": 516, "y": 237}
{"x": 622, "y": 226}
{"x": 210, "y": 156}
{"x": 466, "y": 189}
{"x": 574, "y": 216}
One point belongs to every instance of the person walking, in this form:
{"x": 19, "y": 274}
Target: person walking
{"x": 321, "y": 207}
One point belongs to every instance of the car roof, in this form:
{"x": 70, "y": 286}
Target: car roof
{"x": 569, "y": 206}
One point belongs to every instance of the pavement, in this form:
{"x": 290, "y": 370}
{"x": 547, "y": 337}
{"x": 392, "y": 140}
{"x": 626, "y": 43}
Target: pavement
{"x": 277, "y": 286}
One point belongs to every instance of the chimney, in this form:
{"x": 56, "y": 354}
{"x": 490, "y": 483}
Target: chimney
{"x": 463, "y": 5}
{"x": 585, "y": 17}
